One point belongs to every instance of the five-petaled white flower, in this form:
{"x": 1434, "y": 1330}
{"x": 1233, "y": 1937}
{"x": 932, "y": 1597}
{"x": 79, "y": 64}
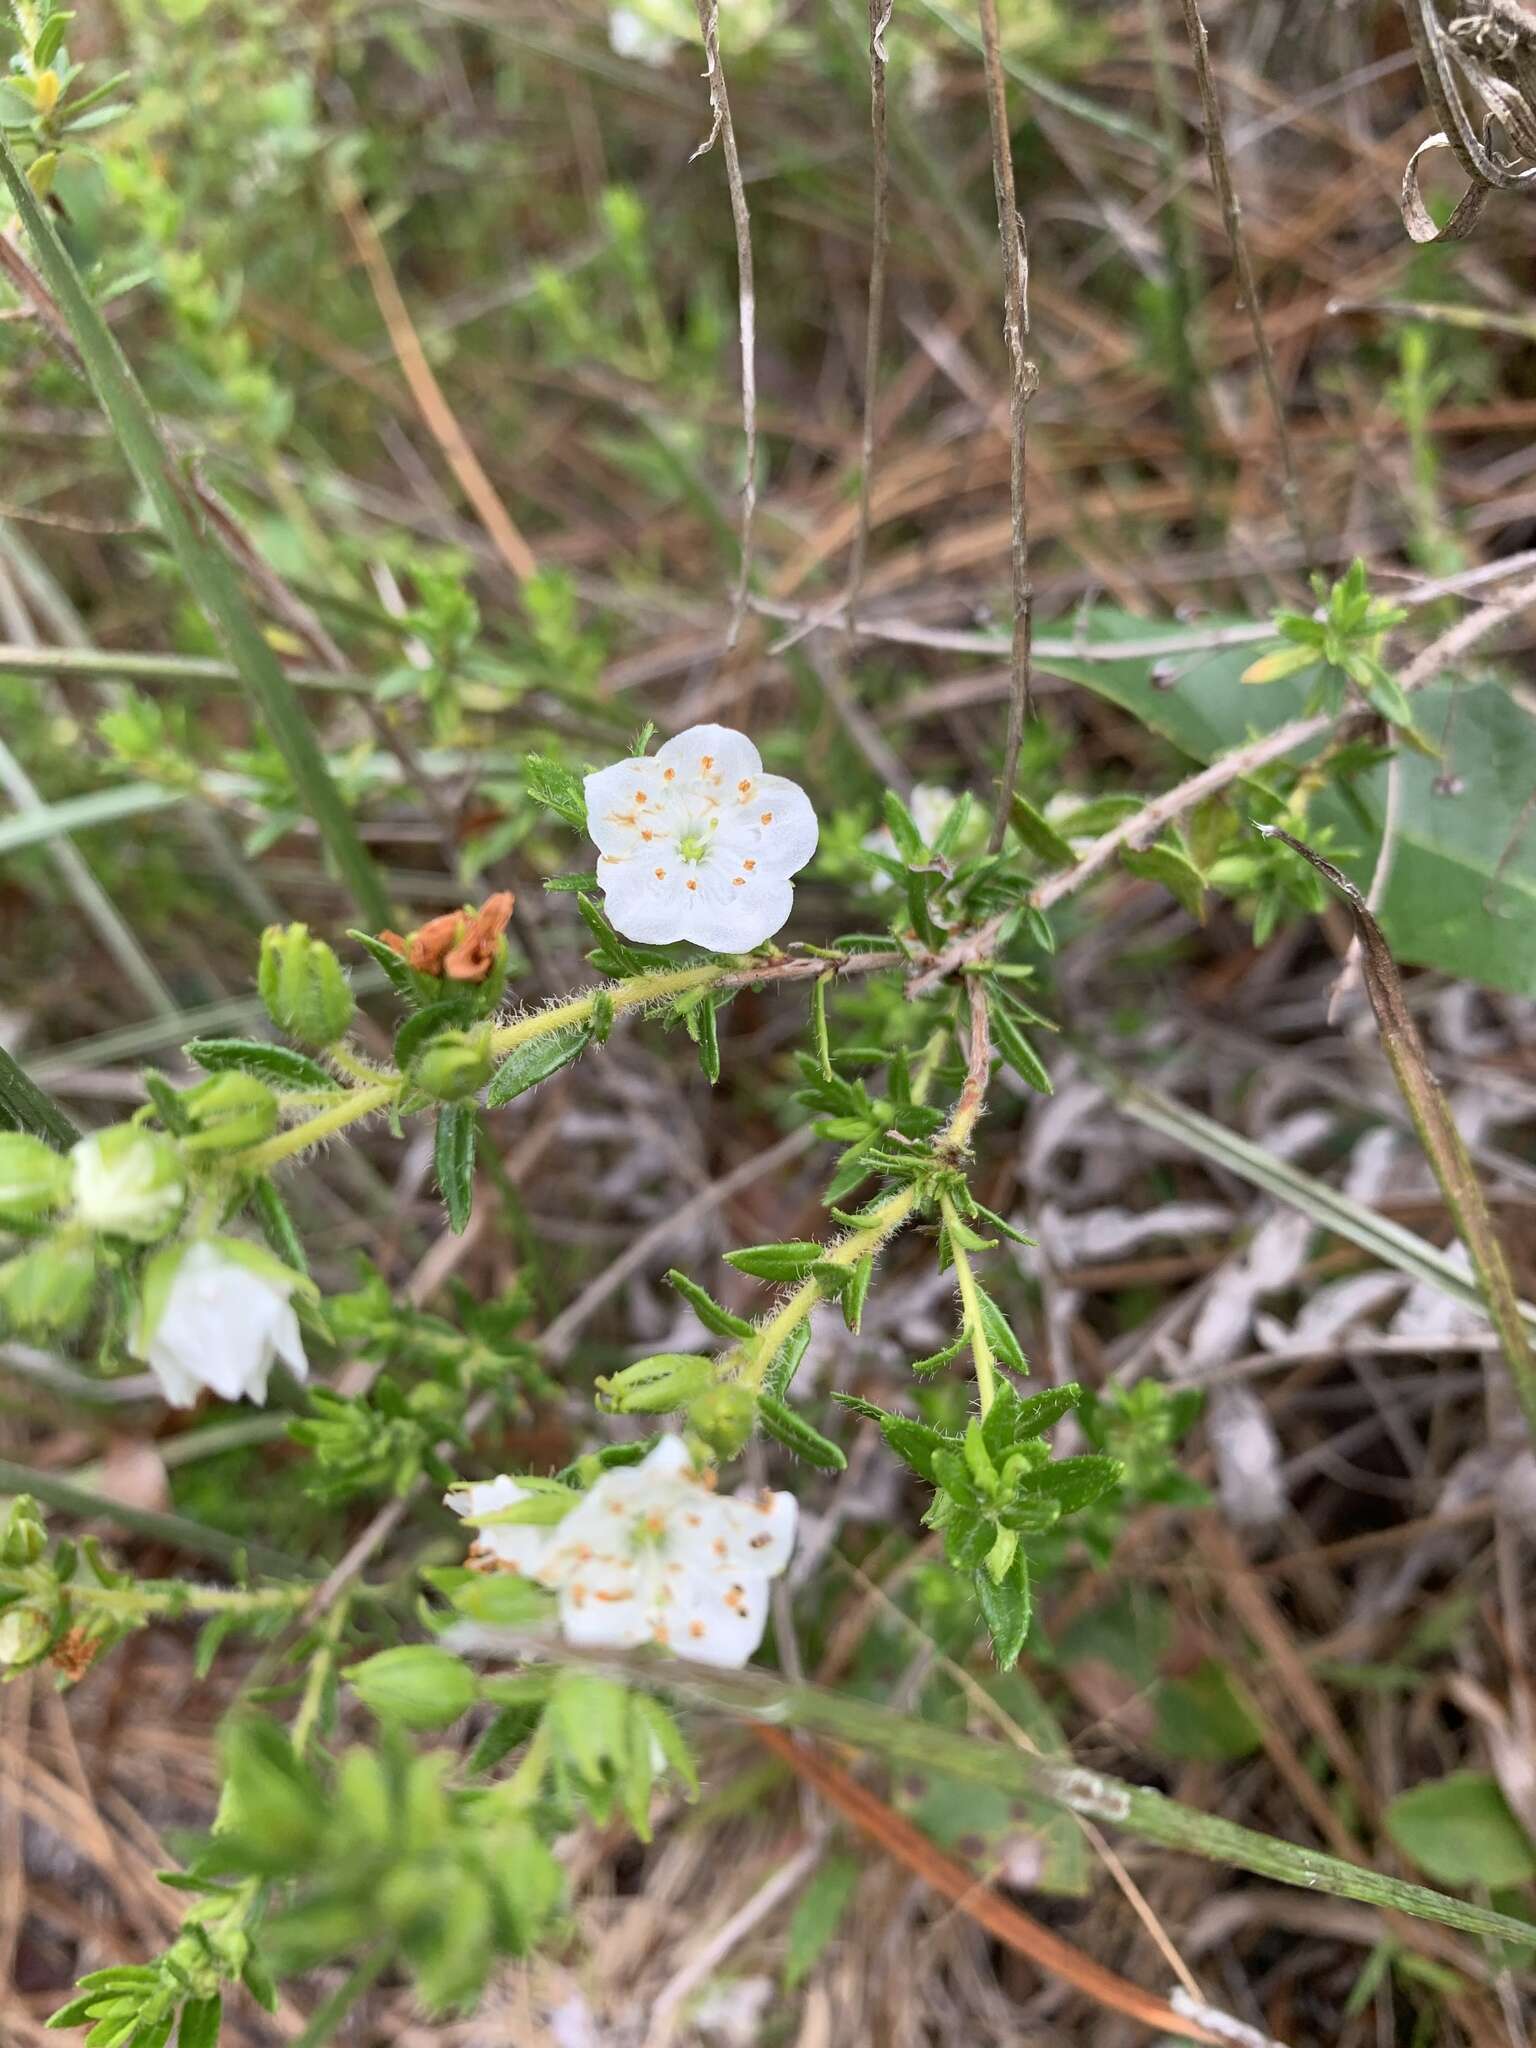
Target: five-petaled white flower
{"x": 217, "y": 1313}
{"x": 650, "y": 1555}
{"x": 697, "y": 843}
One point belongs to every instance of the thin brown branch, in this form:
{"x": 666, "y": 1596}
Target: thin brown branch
{"x": 1242, "y": 264}
{"x": 1023, "y": 378}
{"x": 880, "y": 12}
{"x": 723, "y": 131}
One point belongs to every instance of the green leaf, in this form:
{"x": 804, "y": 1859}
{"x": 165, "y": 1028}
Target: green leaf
{"x": 791, "y": 1429}
{"x": 277, "y": 1225}
{"x": 200, "y": 2018}
{"x": 1038, "y": 836}
{"x": 910, "y": 843}
{"x": 705, "y": 1032}
{"x": 1017, "y": 1050}
{"x": 817, "y": 1913}
{"x": 1000, "y": 1333}
{"x": 557, "y": 788}
{"x": 707, "y": 1309}
{"x": 529, "y": 1064}
{"x": 25, "y": 1107}
{"x": 201, "y": 558}
{"x": 788, "y": 1261}
{"x": 785, "y": 1362}
{"x": 1460, "y": 1831}
{"x": 1203, "y": 1718}
{"x": 1074, "y": 1483}
{"x": 39, "y": 823}
{"x": 454, "y": 1160}
{"x": 422, "y": 1025}
{"x": 1006, "y": 1609}
{"x": 856, "y": 1291}
{"x": 278, "y": 1064}
{"x": 401, "y": 978}
{"x": 1173, "y": 870}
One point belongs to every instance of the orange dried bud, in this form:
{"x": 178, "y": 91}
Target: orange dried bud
{"x": 463, "y": 944}
{"x": 432, "y": 942}
{"x": 475, "y": 953}
{"x": 74, "y": 1653}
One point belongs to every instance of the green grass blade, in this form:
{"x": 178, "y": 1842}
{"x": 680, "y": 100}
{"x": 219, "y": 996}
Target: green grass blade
{"x": 45, "y": 822}
{"x": 901, "y": 1738}
{"x": 1329, "y": 1209}
{"x": 209, "y": 574}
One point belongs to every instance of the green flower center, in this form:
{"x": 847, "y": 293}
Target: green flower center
{"x": 693, "y": 846}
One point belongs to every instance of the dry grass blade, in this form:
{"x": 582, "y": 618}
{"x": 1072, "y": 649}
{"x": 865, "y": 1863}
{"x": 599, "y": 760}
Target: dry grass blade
{"x": 1001, "y": 1919}
{"x": 723, "y": 131}
{"x": 1436, "y": 1127}
{"x": 1023, "y": 378}
{"x": 1242, "y": 262}
{"x": 435, "y": 410}
{"x": 880, "y": 12}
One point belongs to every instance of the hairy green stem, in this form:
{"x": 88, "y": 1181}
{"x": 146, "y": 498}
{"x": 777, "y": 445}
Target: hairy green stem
{"x": 757, "y": 1353}
{"x": 970, "y": 1306}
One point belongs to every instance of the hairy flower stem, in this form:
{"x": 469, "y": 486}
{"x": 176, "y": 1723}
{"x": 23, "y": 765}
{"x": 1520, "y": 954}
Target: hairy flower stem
{"x": 970, "y": 1305}
{"x": 758, "y": 1354}
{"x": 148, "y": 1601}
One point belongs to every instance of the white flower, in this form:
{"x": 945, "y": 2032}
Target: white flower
{"x": 128, "y": 1182}
{"x": 217, "y": 1313}
{"x": 649, "y": 1556}
{"x": 697, "y": 843}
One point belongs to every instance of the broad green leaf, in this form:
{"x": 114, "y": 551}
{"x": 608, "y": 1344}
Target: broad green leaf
{"x": 1203, "y": 1718}
{"x": 200, "y": 2019}
{"x": 817, "y": 1913}
{"x": 1173, "y": 871}
{"x": 1460, "y": 1831}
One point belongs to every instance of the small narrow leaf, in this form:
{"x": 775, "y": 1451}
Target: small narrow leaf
{"x": 1017, "y": 1050}
{"x": 200, "y": 2019}
{"x": 532, "y": 1063}
{"x": 281, "y": 1065}
{"x": 707, "y": 1309}
{"x": 789, "y": 1261}
{"x": 1038, "y": 835}
{"x": 792, "y": 1430}
{"x": 454, "y": 1160}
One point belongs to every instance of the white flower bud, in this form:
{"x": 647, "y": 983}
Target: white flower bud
{"x": 218, "y": 1313}
{"x": 128, "y": 1182}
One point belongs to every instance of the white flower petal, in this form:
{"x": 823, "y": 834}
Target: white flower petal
{"x": 712, "y": 756}
{"x": 624, "y": 804}
{"x": 718, "y": 1620}
{"x": 221, "y": 1327}
{"x": 733, "y": 913}
{"x": 669, "y": 1458}
{"x": 759, "y": 1530}
{"x": 644, "y": 904}
{"x": 521, "y": 1547}
{"x": 609, "y": 1605}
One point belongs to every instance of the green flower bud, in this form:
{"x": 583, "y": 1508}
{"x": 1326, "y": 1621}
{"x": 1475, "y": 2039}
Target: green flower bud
{"x": 128, "y": 1182}
{"x": 23, "y": 1636}
{"x": 723, "y": 1417}
{"x": 23, "y": 1538}
{"x": 453, "y": 1065}
{"x": 230, "y": 1110}
{"x": 303, "y": 986}
{"x": 418, "y": 1686}
{"x": 655, "y": 1386}
{"x": 33, "y": 1178}
{"x": 48, "y": 1287}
